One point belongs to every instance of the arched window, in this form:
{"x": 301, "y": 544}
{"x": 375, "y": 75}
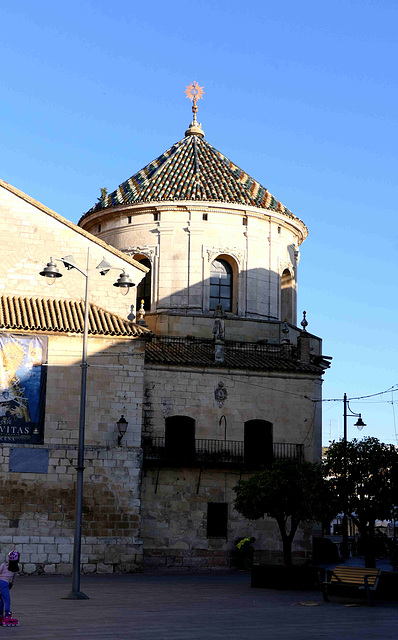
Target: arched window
{"x": 221, "y": 282}
{"x": 287, "y": 296}
{"x": 144, "y": 288}
{"x": 258, "y": 443}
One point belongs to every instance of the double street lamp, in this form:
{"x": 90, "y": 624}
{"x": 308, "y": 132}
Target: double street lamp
{"x": 51, "y": 273}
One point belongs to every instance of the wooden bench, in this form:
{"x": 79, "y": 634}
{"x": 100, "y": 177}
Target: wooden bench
{"x": 351, "y": 579}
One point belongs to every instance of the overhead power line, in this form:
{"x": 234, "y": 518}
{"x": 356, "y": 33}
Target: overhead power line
{"x": 371, "y": 395}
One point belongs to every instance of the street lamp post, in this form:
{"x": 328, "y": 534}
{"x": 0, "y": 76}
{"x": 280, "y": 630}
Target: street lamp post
{"x": 124, "y": 282}
{"x": 360, "y": 425}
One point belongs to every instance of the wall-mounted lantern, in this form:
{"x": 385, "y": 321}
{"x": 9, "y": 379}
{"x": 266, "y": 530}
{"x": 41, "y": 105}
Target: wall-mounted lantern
{"x": 122, "y": 425}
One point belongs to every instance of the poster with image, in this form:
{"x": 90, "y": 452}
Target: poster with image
{"x": 22, "y": 387}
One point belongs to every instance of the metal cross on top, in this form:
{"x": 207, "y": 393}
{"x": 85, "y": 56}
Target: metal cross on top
{"x": 194, "y": 92}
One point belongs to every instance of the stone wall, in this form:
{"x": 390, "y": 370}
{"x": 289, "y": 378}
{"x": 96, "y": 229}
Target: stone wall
{"x": 267, "y": 396}
{"x": 174, "y": 500}
{"x": 174, "y": 521}
{"x": 114, "y": 387}
{"x": 182, "y": 239}
{"x": 34, "y": 236}
{"x": 37, "y": 510}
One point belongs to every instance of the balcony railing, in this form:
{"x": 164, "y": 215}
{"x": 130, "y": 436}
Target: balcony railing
{"x": 175, "y": 350}
{"x": 205, "y": 451}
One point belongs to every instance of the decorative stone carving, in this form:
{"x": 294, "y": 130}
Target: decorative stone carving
{"x": 213, "y": 252}
{"x": 148, "y": 252}
{"x": 141, "y": 315}
{"x": 219, "y": 323}
{"x": 167, "y": 407}
{"x": 219, "y": 352}
{"x": 219, "y": 334}
{"x": 220, "y": 394}
{"x": 284, "y": 264}
{"x": 285, "y": 332}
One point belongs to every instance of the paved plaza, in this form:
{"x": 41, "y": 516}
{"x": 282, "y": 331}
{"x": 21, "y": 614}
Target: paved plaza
{"x": 189, "y": 606}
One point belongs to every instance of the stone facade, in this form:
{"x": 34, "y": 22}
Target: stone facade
{"x": 174, "y": 500}
{"x": 231, "y": 218}
{"x": 174, "y": 522}
{"x": 181, "y": 245}
{"x": 198, "y": 423}
{"x": 34, "y": 234}
{"x": 37, "y": 507}
{"x": 37, "y": 510}
{"x": 250, "y": 395}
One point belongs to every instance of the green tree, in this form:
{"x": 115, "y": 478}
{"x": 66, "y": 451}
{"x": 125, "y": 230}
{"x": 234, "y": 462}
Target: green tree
{"x": 291, "y": 492}
{"x": 364, "y": 478}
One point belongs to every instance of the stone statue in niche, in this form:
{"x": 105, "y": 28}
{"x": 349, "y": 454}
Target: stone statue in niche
{"x": 219, "y": 334}
{"x": 219, "y": 323}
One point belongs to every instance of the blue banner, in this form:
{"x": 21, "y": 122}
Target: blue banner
{"x": 22, "y": 387}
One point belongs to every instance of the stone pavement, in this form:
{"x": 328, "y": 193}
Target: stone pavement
{"x": 189, "y": 606}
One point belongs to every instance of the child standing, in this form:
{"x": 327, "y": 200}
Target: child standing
{"x": 7, "y": 576}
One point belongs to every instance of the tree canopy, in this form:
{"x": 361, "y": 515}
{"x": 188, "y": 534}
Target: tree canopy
{"x": 364, "y": 478}
{"x": 290, "y": 492}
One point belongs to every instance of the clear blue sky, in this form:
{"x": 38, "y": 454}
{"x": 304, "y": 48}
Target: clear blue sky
{"x": 301, "y": 95}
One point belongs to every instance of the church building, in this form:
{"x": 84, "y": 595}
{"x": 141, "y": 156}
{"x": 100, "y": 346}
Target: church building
{"x": 205, "y": 359}
{"x": 232, "y": 379}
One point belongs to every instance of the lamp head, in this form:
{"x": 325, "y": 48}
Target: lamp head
{"x": 104, "y": 267}
{"x": 51, "y": 272}
{"x": 360, "y": 423}
{"x": 124, "y": 282}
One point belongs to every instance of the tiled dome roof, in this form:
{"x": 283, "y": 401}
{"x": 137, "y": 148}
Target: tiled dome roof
{"x": 192, "y": 169}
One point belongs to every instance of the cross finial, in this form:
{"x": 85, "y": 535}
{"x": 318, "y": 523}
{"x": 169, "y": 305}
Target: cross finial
{"x": 194, "y": 92}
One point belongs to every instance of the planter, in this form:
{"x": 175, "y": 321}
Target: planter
{"x": 388, "y": 586}
{"x": 277, "y": 577}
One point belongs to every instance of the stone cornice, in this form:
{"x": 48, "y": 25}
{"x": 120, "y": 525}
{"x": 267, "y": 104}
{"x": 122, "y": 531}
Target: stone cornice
{"x": 201, "y": 207}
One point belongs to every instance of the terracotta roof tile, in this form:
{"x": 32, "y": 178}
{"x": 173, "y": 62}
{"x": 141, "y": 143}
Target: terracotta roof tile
{"x": 63, "y": 316}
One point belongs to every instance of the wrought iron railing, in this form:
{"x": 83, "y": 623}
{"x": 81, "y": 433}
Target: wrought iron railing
{"x": 232, "y": 346}
{"x": 207, "y": 451}
{"x": 176, "y": 349}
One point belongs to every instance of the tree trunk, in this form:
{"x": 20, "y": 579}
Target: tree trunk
{"x": 287, "y": 551}
{"x": 370, "y": 549}
{"x": 287, "y": 540}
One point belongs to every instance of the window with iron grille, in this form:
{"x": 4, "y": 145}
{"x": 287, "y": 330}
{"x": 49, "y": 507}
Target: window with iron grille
{"x": 217, "y": 519}
{"x": 221, "y": 285}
